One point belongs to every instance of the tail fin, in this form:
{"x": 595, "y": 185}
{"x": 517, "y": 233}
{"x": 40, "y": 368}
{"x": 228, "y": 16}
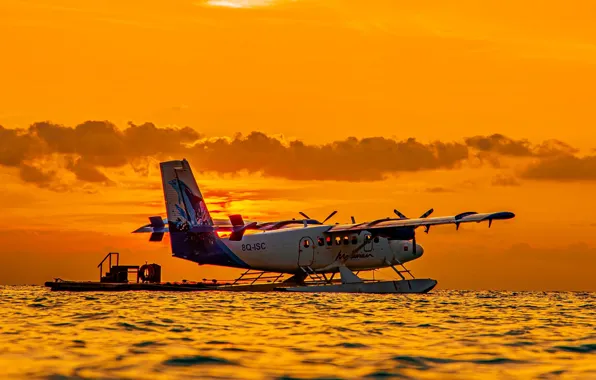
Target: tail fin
{"x": 192, "y": 234}
{"x": 184, "y": 202}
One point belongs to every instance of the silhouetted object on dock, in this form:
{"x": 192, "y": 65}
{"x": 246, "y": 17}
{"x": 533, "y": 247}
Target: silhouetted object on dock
{"x": 118, "y": 274}
{"x": 148, "y": 277}
{"x": 150, "y": 273}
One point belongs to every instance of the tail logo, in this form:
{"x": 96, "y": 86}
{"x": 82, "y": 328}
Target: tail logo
{"x": 194, "y": 209}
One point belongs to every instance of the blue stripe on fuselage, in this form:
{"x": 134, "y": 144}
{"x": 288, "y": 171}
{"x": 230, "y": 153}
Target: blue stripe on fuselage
{"x": 204, "y": 248}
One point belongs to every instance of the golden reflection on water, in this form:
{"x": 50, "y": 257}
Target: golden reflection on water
{"x": 445, "y": 334}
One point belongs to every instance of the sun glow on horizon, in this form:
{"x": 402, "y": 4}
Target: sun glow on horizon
{"x": 239, "y": 3}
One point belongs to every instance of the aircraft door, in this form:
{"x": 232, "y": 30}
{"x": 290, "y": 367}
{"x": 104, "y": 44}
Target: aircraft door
{"x": 306, "y": 252}
{"x": 368, "y": 246}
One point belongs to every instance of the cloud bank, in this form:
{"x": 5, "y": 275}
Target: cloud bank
{"x": 44, "y": 149}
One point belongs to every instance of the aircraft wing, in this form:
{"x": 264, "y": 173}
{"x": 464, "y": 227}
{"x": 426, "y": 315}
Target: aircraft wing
{"x": 387, "y": 224}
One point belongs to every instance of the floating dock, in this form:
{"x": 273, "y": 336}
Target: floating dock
{"x": 148, "y": 278}
{"x": 90, "y": 286}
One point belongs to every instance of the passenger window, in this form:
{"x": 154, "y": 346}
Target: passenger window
{"x": 368, "y": 238}
{"x": 346, "y": 240}
{"x": 354, "y": 239}
{"x": 329, "y": 241}
{"x": 306, "y": 243}
{"x": 337, "y": 240}
{"x": 320, "y": 241}
{"x": 376, "y": 239}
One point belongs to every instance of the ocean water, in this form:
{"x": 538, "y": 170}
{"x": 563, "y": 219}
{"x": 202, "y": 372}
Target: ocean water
{"x": 161, "y": 335}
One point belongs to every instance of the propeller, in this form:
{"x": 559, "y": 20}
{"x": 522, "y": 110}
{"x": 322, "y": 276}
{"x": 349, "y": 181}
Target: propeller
{"x": 330, "y": 216}
{"x": 399, "y": 214}
{"x": 425, "y": 215}
{"x": 323, "y": 222}
{"x": 304, "y": 215}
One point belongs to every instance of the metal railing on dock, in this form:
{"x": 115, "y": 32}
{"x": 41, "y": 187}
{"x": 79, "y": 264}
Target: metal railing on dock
{"x": 109, "y": 258}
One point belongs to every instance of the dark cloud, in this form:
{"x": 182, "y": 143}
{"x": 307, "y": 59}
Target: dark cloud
{"x": 87, "y": 172}
{"x": 348, "y": 160}
{"x": 148, "y": 140}
{"x": 35, "y": 175}
{"x": 563, "y": 168}
{"x": 93, "y": 146}
{"x": 552, "y": 148}
{"x": 101, "y": 143}
{"x": 16, "y": 146}
{"x": 498, "y": 143}
{"x": 89, "y": 146}
{"x": 506, "y": 146}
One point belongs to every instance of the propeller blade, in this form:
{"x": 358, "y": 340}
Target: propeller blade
{"x": 304, "y": 215}
{"x": 399, "y": 214}
{"x": 354, "y": 221}
{"x": 426, "y": 214}
{"x": 329, "y": 217}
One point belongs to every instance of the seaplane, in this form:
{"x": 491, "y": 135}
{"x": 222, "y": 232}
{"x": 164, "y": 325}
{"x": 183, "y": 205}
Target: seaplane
{"x": 303, "y": 248}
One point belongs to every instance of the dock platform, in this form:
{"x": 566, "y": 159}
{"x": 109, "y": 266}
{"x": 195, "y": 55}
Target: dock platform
{"x": 94, "y": 286}
{"x": 90, "y": 286}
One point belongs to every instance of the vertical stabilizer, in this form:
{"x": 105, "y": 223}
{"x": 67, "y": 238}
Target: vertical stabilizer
{"x": 192, "y": 232}
{"x": 185, "y": 205}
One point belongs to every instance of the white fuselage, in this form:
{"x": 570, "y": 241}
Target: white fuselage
{"x": 288, "y": 249}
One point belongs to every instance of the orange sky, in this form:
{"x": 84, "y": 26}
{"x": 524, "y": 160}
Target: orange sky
{"x": 317, "y": 72}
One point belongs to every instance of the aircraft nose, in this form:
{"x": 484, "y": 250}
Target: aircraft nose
{"x": 419, "y": 250}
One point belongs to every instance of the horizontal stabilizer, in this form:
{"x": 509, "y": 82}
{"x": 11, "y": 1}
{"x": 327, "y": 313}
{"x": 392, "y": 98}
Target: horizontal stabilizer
{"x": 238, "y": 232}
{"x": 157, "y": 224}
{"x": 236, "y": 220}
{"x": 148, "y": 228}
{"x": 156, "y": 221}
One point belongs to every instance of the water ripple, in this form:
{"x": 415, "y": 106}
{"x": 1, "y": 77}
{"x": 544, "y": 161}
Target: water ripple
{"x": 444, "y": 334}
